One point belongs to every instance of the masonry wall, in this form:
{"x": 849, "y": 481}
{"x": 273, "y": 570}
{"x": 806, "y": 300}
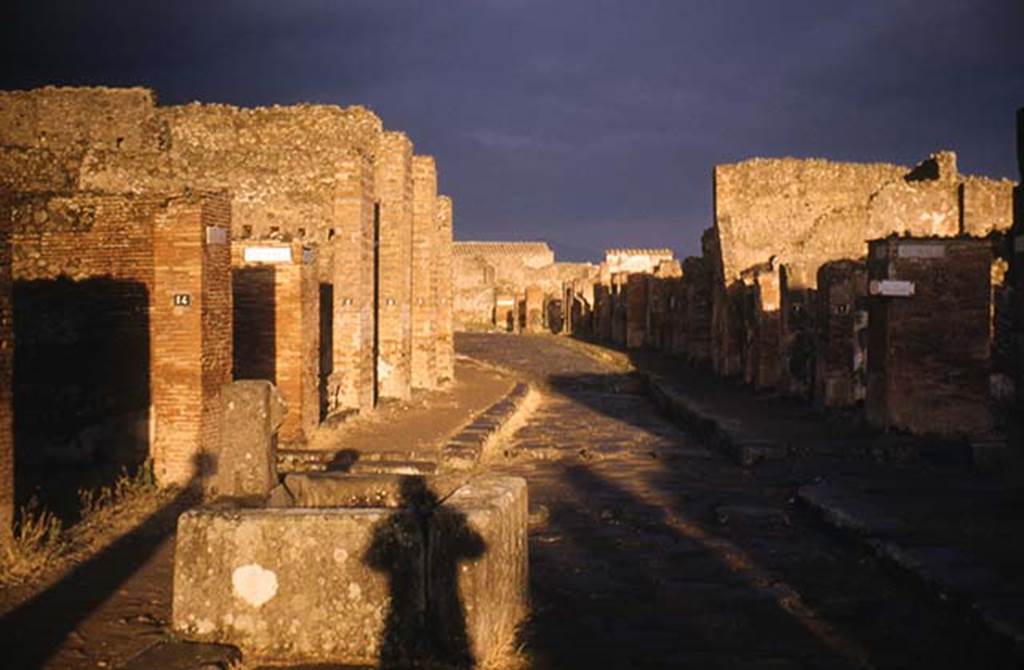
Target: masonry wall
{"x": 928, "y": 368}
{"x": 636, "y": 293}
{"x": 841, "y": 348}
{"x": 444, "y": 287}
{"x": 141, "y": 255}
{"x": 394, "y": 182}
{"x": 6, "y": 413}
{"x": 533, "y": 310}
{"x": 423, "y": 364}
{"x": 797, "y": 329}
{"x": 191, "y": 350}
{"x": 353, "y": 384}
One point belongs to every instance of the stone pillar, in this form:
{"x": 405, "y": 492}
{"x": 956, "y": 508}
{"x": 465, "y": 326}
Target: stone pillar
{"x": 190, "y": 337}
{"x": 635, "y": 294}
{"x": 840, "y": 355}
{"x": 444, "y": 286}
{"x": 424, "y": 246}
{"x": 534, "y": 309}
{"x": 393, "y": 183}
{"x": 353, "y": 380}
{"x": 6, "y": 380}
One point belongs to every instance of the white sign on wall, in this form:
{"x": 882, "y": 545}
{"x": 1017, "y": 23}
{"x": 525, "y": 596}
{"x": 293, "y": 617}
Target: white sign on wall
{"x": 892, "y": 288}
{"x": 268, "y": 255}
{"x": 921, "y": 250}
{"x": 216, "y": 235}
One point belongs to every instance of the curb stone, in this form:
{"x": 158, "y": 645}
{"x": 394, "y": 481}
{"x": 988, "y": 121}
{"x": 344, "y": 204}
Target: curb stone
{"x": 947, "y": 572}
{"x": 465, "y": 449}
{"x": 722, "y": 433}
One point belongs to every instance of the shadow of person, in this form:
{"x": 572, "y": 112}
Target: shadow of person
{"x": 421, "y": 551}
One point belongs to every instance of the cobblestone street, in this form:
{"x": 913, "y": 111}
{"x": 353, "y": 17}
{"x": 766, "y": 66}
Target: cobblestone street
{"x": 648, "y": 550}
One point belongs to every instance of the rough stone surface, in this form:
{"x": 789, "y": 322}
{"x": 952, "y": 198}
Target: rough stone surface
{"x": 357, "y": 585}
{"x": 296, "y": 584}
{"x": 246, "y": 465}
{"x": 478, "y": 589}
{"x": 928, "y": 368}
{"x": 423, "y": 364}
{"x": 841, "y": 348}
{"x": 444, "y": 292}
{"x": 393, "y": 182}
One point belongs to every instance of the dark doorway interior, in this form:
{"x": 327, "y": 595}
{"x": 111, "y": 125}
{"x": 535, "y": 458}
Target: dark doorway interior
{"x": 254, "y": 327}
{"x": 326, "y": 345}
{"x": 81, "y": 387}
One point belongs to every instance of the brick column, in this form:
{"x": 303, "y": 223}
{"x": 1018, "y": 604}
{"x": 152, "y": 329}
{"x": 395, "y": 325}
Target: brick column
{"x": 6, "y": 409}
{"x": 190, "y": 333}
{"x": 444, "y": 286}
{"x": 393, "y": 183}
{"x": 424, "y": 243}
{"x": 353, "y": 381}
{"x": 291, "y": 342}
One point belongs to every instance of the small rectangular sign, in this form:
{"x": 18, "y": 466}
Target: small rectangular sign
{"x": 182, "y": 299}
{"x": 268, "y": 255}
{"x": 216, "y": 235}
{"x": 893, "y": 288}
{"x": 504, "y": 302}
{"x": 922, "y": 250}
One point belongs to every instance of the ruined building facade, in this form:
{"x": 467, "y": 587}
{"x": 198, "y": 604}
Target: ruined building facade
{"x": 187, "y": 246}
{"x": 877, "y": 286}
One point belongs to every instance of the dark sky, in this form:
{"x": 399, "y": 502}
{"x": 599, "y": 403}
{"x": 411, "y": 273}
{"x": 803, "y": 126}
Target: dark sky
{"x": 588, "y": 123}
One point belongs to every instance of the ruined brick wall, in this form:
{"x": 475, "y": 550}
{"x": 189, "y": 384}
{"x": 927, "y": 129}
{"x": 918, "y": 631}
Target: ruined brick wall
{"x": 696, "y": 313}
{"x": 444, "y": 287}
{"x": 277, "y": 313}
{"x": 353, "y": 383}
{"x": 840, "y": 353}
{"x": 154, "y": 249}
{"x": 423, "y": 364}
{"x": 6, "y": 379}
{"x": 393, "y": 180}
{"x": 797, "y": 326}
{"x": 986, "y": 206}
{"x": 52, "y": 138}
{"x": 484, "y": 269}
{"x": 928, "y": 367}
{"x": 926, "y": 202}
{"x": 768, "y": 208}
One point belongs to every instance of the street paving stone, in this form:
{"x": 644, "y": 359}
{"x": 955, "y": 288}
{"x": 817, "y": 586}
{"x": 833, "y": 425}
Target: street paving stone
{"x": 650, "y": 551}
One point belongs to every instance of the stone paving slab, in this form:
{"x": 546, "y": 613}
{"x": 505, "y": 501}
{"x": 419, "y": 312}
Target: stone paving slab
{"x": 947, "y": 570}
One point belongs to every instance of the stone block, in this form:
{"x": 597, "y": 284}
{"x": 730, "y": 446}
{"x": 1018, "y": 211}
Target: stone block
{"x": 299, "y": 585}
{"x": 246, "y": 465}
{"x": 477, "y": 552}
{"x": 421, "y": 576}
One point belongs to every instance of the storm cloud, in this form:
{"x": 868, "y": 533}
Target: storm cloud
{"x": 588, "y": 123}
